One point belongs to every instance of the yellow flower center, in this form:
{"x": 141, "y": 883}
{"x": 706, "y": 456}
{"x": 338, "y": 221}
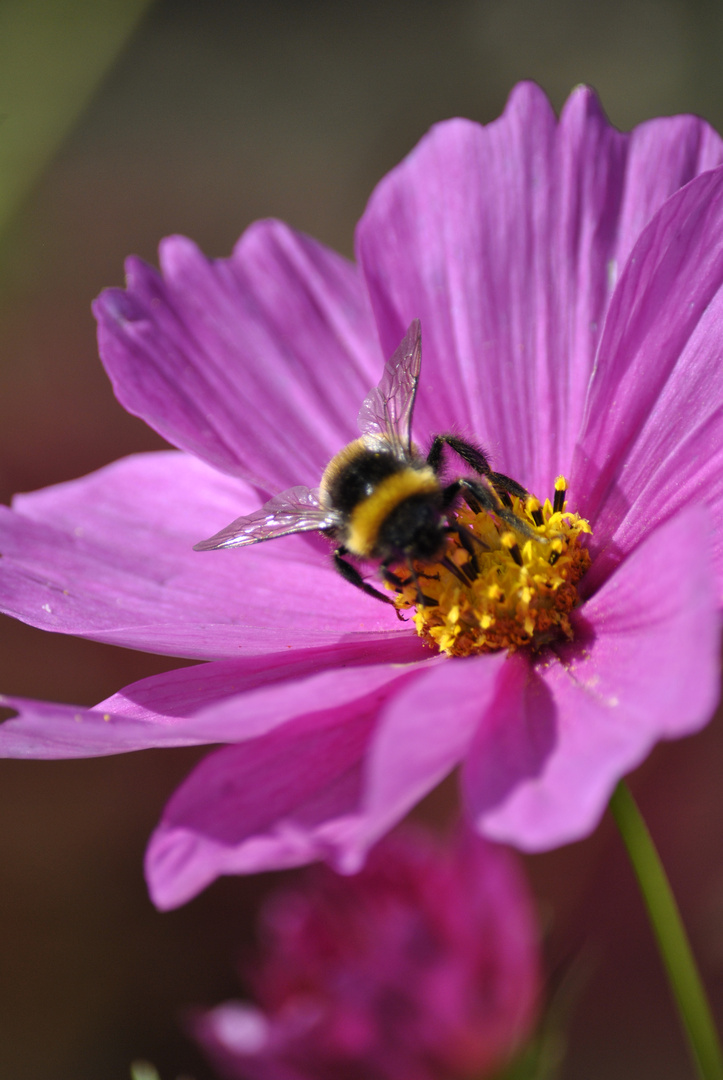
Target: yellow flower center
{"x": 502, "y": 588}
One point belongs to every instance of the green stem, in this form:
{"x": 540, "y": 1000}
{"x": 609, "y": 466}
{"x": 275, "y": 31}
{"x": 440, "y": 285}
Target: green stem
{"x": 670, "y": 933}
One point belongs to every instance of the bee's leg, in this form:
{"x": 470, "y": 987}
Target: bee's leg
{"x": 505, "y": 486}
{"x": 477, "y": 460}
{"x": 393, "y": 579}
{"x": 468, "y": 540}
{"x": 460, "y": 572}
{"x": 471, "y": 543}
{"x": 480, "y": 496}
{"x": 473, "y": 455}
{"x": 422, "y": 600}
{"x": 398, "y": 584}
{"x": 352, "y": 575}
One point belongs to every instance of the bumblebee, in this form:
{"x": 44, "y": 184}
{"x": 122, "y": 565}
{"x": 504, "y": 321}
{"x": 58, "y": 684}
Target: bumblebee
{"x": 380, "y": 499}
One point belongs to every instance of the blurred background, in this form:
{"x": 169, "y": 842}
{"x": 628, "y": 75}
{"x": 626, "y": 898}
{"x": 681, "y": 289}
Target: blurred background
{"x": 121, "y": 122}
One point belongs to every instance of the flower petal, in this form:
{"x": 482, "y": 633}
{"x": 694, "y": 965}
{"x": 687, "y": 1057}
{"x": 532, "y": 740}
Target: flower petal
{"x": 645, "y": 667}
{"x": 332, "y": 784}
{"x": 110, "y": 557}
{"x": 288, "y": 797}
{"x": 227, "y": 701}
{"x": 258, "y": 363}
{"x": 45, "y": 731}
{"x": 505, "y": 240}
{"x": 423, "y": 734}
{"x": 652, "y": 441}
{"x": 663, "y": 155}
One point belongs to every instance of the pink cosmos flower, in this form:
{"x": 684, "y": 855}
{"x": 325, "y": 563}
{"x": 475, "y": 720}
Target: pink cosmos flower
{"x": 421, "y": 967}
{"x": 569, "y": 281}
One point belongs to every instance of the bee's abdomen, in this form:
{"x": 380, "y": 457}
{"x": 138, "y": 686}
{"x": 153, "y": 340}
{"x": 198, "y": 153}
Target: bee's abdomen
{"x": 354, "y": 474}
{"x": 374, "y": 516}
{"x": 415, "y": 527}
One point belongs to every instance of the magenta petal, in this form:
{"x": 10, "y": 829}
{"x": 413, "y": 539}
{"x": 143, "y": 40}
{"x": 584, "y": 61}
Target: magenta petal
{"x": 423, "y": 734}
{"x": 663, "y": 155}
{"x": 230, "y": 701}
{"x": 282, "y": 801}
{"x": 286, "y": 798}
{"x": 646, "y": 666}
{"x": 325, "y": 785}
{"x": 504, "y": 239}
{"x": 110, "y": 557}
{"x": 258, "y": 363}
{"x": 45, "y": 731}
{"x": 438, "y": 241}
{"x": 653, "y": 435}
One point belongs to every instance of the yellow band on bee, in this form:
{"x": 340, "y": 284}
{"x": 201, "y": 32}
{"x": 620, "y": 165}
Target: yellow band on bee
{"x": 368, "y": 516}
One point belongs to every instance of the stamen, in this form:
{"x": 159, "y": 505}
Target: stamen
{"x": 532, "y": 506}
{"x": 502, "y": 586}
{"x": 458, "y": 571}
{"x": 509, "y": 541}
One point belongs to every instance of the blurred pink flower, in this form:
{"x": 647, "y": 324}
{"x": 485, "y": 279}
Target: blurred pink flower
{"x": 569, "y": 282}
{"x": 421, "y": 967}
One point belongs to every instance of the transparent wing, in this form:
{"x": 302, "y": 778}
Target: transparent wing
{"x": 386, "y": 414}
{"x": 293, "y": 511}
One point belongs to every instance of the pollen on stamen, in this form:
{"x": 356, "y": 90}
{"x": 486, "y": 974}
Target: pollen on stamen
{"x": 525, "y": 586}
